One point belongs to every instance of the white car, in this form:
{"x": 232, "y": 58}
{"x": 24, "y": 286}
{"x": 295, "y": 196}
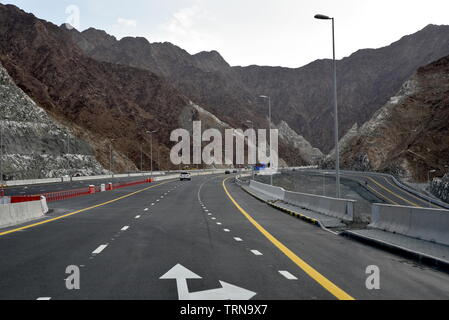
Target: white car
{"x": 185, "y": 176}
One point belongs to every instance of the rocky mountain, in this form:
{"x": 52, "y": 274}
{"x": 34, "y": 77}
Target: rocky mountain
{"x": 301, "y": 97}
{"x": 36, "y": 146}
{"x": 409, "y": 136}
{"x": 103, "y": 104}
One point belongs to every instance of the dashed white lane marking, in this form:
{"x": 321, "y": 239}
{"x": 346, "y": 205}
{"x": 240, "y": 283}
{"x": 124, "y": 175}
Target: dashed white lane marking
{"x": 288, "y": 275}
{"x": 209, "y": 214}
{"x": 44, "y": 298}
{"x": 257, "y": 253}
{"x": 219, "y": 223}
{"x": 214, "y": 218}
{"x": 152, "y": 204}
{"x": 99, "y": 249}
{"x": 125, "y": 228}
{"x": 226, "y": 230}
{"x": 238, "y": 239}
{"x": 137, "y": 217}
{"x": 146, "y": 209}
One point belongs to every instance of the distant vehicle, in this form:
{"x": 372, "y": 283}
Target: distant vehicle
{"x": 185, "y": 176}
{"x": 235, "y": 171}
{"x": 227, "y": 172}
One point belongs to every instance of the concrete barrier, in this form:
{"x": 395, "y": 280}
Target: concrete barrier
{"x": 337, "y": 208}
{"x": 272, "y": 191}
{"x": 17, "y": 213}
{"x": 420, "y": 223}
{"x": 44, "y": 205}
{"x": 5, "y": 200}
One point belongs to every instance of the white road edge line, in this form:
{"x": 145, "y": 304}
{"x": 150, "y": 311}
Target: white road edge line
{"x": 99, "y": 249}
{"x": 288, "y": 275}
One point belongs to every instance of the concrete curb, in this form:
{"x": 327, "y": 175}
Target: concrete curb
{"x": 416, "y": 255}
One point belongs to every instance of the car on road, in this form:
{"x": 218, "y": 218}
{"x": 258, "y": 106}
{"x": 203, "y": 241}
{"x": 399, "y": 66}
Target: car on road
{"x": 185, "y": 176}
{"x": 227, "y": 172}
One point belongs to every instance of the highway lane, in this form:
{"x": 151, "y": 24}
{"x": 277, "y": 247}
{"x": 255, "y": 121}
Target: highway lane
{"x": 385, "y": 189}
{"x": 197, "y": 225}
{"x": 62, "y": 186}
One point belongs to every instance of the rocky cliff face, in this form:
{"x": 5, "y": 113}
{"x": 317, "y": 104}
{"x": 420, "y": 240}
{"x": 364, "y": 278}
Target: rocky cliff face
{"x": 440, "y": 188}
{"x": 410, "y": 135}
{"x": 34, "y": 144}
{"x": 366, "y": 80}
{"x": 102, "y": 103}
{"x": 301, "y": 97}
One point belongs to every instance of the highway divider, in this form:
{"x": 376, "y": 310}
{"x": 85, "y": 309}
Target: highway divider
{"x": 17, "y": 213}
{"x": 271, "y": 191}
{"x": 420, "y": 223}
{"x": 338, "y": 208}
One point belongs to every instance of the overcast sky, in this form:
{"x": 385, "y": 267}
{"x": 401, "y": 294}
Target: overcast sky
{"x": 245, "y": 32}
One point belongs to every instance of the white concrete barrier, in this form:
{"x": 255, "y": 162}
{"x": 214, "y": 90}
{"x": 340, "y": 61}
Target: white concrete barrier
{"x": 337, "y": 208}
{"x": 421, "y": 223}
{"x": 5, "y": 200}
{"x": 44, "y": 205}
{"x": 29, "y": 182}
{"x": 272, "y": 191}
{"x": 17, "y": 213}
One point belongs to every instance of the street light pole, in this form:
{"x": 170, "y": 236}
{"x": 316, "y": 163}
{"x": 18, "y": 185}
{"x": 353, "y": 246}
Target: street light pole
{"x": 110, "y": 156}
{"x": 430, "y": 184}
{"x": 141, "y": 158}
{"x": 1, "y": 158}
{"x": 252, "y": 128}
{"x": 269, "y": 132}
{"x": 337, "y": 148}
{"x": 151, "y": 152}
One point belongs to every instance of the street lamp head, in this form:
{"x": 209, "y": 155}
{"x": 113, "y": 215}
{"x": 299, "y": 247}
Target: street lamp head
{"x": 322, "y": 17}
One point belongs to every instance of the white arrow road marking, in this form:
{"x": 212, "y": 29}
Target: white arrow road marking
{"x": 226, "y": 292}
{"x": 288, "y": 275}
{"x": 99, "y": 249}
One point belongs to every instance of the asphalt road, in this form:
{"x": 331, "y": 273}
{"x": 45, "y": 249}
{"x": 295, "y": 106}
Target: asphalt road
{"x": 210, "y": 227}
{"x": 384, "y": 188}
{"x": 62, "y": 186}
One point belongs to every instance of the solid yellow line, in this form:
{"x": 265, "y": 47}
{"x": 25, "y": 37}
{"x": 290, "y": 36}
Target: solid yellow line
{"x": 396, "y": 195}
{"x": 383, "y": 196}
{"x": 414, "y": 196}
{"x": 79, "y": 211}
{"x": 314, "y": 274}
